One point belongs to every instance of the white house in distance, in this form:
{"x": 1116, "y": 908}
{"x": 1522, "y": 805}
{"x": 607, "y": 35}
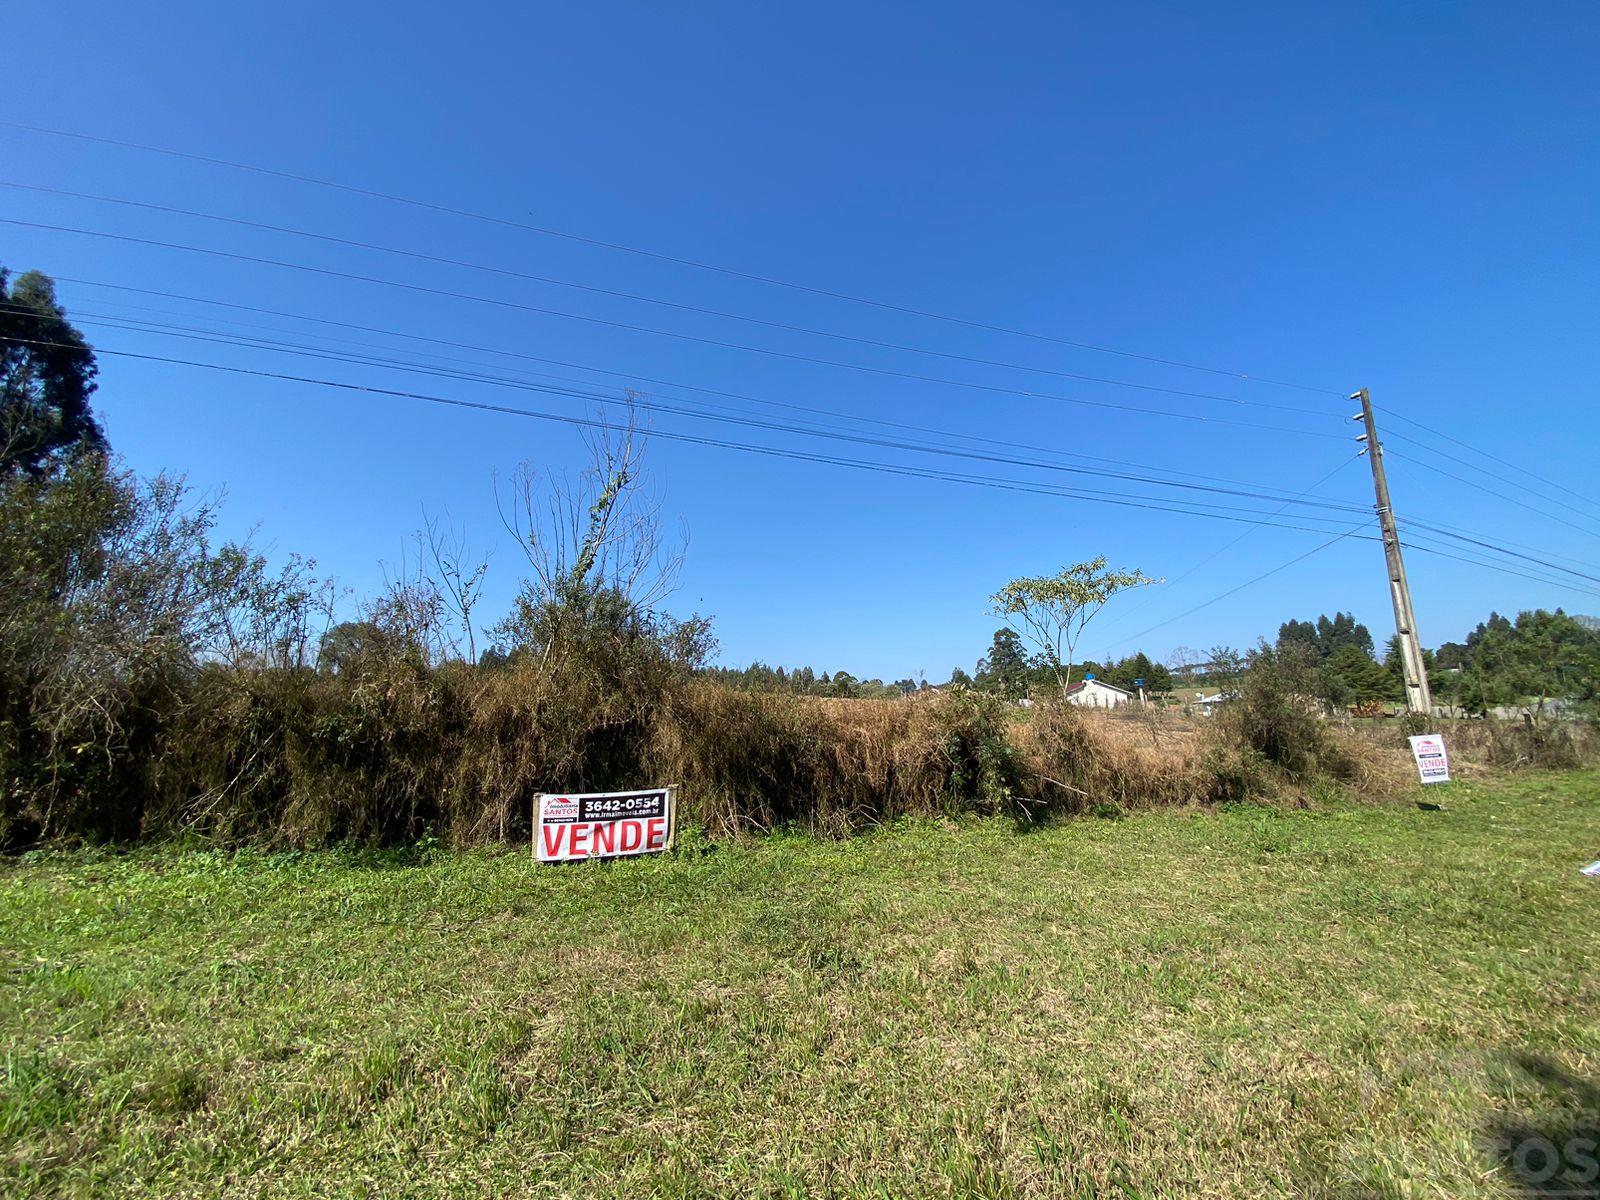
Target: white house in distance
{"x": 1092, "y": 693}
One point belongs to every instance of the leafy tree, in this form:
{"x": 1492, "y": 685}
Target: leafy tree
{"x": 1338, "y": 655}
{"x": 1523, "y": 663}
{"x": 1005, "y": 668}
{"x": 1349, "y": 676}
{"x": 349, "y": 643}
{"x": 1127, "y": 671}
{"x": 1225, "y": 668}
{"x": 1327, "y": 635}
{"x": 1394, "y": 667}
{"x": 47, "y": 374}
{"x": 114, "y": 601}
{"x": 1299, "y": 633}
{"x": 1342, "y": 631}
{"x": 1054, "y": 609}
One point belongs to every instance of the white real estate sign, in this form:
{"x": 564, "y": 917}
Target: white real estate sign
{"x": 1433, "y": 764}
{"x": 602, "y": 824}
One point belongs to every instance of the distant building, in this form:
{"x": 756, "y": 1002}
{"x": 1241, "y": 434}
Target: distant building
{"x": 1092, "y": 693}
{"x": 1207, "y": 705}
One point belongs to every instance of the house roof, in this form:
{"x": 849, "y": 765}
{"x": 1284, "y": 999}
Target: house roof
{"x": 1083, "y": 683}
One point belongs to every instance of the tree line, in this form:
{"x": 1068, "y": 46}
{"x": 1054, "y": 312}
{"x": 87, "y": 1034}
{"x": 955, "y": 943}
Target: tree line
{"x": 1538, "y": 661}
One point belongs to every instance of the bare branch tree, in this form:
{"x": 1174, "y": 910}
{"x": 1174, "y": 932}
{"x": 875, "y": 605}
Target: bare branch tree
{"x": 597, "y": 536}
{"x": 456, "y": 571}
{"x": 411, "y": 613}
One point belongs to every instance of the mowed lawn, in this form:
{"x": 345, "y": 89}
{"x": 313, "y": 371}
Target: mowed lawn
{"x": 1355, "y": 1000}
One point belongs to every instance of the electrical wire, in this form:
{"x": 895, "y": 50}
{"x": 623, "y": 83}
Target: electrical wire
{"x": 1489, "y": 491}
{"x": 1498, "y": 549}
{"x": 1413, "y": 544}
{"x": 391, "y": 364}
{"x": 373, "y": 193}
{"x": 867, "y": 465}
{"x": 759, "y": 278}
{"x": 1225, "y": 547}
{"x": 852, "y": 417}
{"x": 423, "y": 289}
{"x": 747, "y": 421}
{"x": 1154, "y": 504}
{"x": 507, "y": 272}
{"x": 262, "y": 343}
{"x": 1233, "y": 591}
{"x": 1438, "y": 433}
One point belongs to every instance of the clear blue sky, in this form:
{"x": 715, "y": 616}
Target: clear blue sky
{"x": 1397, "y": 196}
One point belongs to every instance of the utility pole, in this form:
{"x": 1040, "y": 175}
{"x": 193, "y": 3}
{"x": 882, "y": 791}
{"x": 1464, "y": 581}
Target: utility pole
{"x": 1418, "y": 699}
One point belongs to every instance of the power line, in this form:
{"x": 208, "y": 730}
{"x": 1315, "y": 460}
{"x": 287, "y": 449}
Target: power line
{"x": 1230, "y": 544}
{"x": 626, "y": 325}
{"x": 850, "y": 417}
{"x": 749, "y": 421}
{"x": 644, "y": 299}
{"x": 1498, "y": 549}
{"x": 1491, "y": 457}
{"x": 633, "y": 377}
{"x": 1284, "y": 566}
{"x": 501, "y": 221}
{"x": 1412, "y": 544}
{"x": 1153, "y": 504}
{"x": 1351, "y": 532}
{"x": 1490, "y": 491}
{"x": 1436, "y": 452}
{"x": 731, "y": 272}
{"x": 394, "y": 364}
{"x": 1144, "y": 503}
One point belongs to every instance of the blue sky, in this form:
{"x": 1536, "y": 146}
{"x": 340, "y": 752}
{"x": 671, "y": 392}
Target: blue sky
{"x": 1396, "y": 196}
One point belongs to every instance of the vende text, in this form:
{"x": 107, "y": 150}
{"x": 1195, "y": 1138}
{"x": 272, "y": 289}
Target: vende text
{"x": 585, "y": 839}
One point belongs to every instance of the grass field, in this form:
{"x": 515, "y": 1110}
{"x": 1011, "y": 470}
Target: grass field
{"x": 1347, "y": 1001}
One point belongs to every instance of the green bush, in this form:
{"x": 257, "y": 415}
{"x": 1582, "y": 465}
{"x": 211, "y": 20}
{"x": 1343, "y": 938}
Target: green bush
{"x": 1278, "y": 717}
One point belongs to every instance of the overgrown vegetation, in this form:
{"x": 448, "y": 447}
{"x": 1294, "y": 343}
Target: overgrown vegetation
{"x": 156, "y": 681}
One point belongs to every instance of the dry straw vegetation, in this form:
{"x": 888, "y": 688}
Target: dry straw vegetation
{"x": 156, "y": 684}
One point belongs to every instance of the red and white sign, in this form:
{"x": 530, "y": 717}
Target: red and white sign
{"x": 602, "y": 825}
{"x": 1433, "y": 764}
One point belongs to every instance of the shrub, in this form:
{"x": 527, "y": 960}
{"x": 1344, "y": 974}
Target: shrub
{"x": 1277, "y": 716}
{"x": 1518, "y": 744}
{"x": 758, "y": 761}
{"x": 1081, "y": 759}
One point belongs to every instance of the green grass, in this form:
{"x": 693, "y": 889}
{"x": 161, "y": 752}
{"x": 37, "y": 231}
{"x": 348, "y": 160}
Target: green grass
{"x": 1348, "y": 1001}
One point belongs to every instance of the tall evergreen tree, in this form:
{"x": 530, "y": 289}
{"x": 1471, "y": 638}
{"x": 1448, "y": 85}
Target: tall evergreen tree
{"x": 47, "y": 374}
{"x": 1005, "y": 668}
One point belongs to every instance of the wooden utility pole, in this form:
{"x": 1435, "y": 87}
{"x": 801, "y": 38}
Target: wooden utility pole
{"x": 1418, "y": 699}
